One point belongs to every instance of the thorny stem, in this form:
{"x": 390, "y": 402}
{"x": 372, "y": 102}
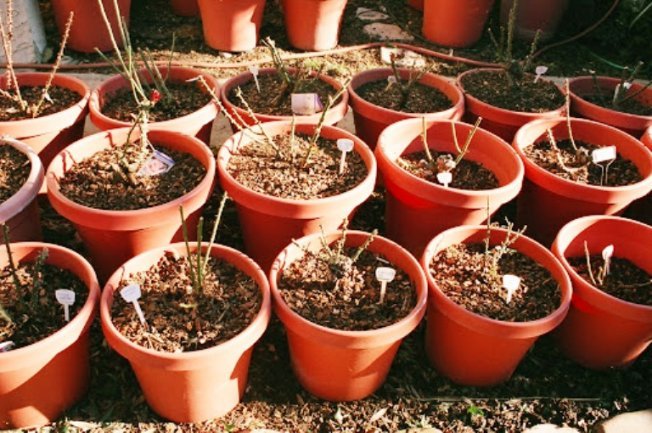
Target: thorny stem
{"x": 560, "y": 160}
{"x": 12, "y": 269}
{"x": 568, "y": 117}
{"x": 37, "y": 275}
{"x": 216, "y": 224}
{"x": 461, "y": 152}
{"x": 252, "y": 115}
{"x": 7, "y": 35}
{"x": 184, "y": 228}
{"x": 364, "y": 246}
{"x": 342, "y": 241}
{"x": 424, "y": 141}
{"x": 589, "y": 268}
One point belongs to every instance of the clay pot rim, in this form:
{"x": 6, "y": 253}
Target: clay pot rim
{"x": 60, "y": 340}
{"x": 30, "y": 189}
{"x": 368, "y": 76}
{"x": 135, "y": 352}
{"x": 487, "y": 325}
{"x": 381, "y": 243}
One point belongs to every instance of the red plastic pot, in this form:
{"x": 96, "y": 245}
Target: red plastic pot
{"x": 342, "y": 365}
{"x": 641, "y": 209}
{"x": 416, "y": 4}
{"x": 20, "y": 211}
{"x": 632, "y": 124}
{"x": 270, "y": 223}
{"x": 602, "y": 331}
{"x": 40, "y": 381}
{"x": 190, "y": 386}
{"x": 231, "y": 25}
{"x": 371, "y": 119}
{"x": 455, "y": 23}
{"x": 474, "y": 350}
{"x": 549, "y": 201}
{"x": 48, "y": 135}
{"x": 334, "y": 115}
{"x": 534, "y": 15}
{"x": 185, "y": 8}
{"x": 415, "y": 209}
{"x": 198, "y": 123}
{"x": 313, "y": 25}
{"x": 88, "y": 29}
{"x": 113, "y": 237}
{"x": 502, "y": 122}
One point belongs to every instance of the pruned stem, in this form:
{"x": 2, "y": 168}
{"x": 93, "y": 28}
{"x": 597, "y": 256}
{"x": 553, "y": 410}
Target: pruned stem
{"x": 424, "y": 141}
{"x": 461, "y": 152}
{"x": 568, "y": 117}
{"x": 364, "y": 246}
{"x": 7, "y": 35}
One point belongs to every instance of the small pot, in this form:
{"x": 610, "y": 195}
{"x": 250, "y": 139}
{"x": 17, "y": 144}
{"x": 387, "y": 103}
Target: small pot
{"x": 192, "y": 386}
{"x": 49, "y": 135}
{"x": 631, "y": 123}
{"x": 20, "y": 211}
{"x": 416, "y": 4}
{"x": 334, "y": 115}
{"x": 416, "y": 210}
{"x": 40, "y": 381}
{"x": 88, "y": 30}
{"x": 231, "y": 25}
{"x": 198, "y": 123}
{"x": 371, "y": 119}
{"x": 474, "y": 350}
{"x": 313, "y": 25}
{"x": 112, "y": 237}
{"x": 185, "y": 8}
{"x": 502, "y": 122}
{"x": 270, "y": 223}
{"x": 602, "y": 331}
{"x": 342, "y": 365}
{"x": 455, "y": 23}
{"x": 548, "y": 201}
{"x": 533, "y": 16}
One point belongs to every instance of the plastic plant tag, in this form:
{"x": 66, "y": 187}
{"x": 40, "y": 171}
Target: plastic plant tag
{"x": 384, "y": 275}
{"x": 306, "y": 104}
{"x": 627, "y": 85}
{"x": 511, "y": 283}
{"x": 66, "y": 298}
{"x": 391, "y": 80}
{"x": 157, "y": 164}
{"x": 254, "y": 71}
{"x": 539, "y": 71}
{"x": 132, "y": 294}
{"x": 607, "y": 253}
{"x": 345, "y": 146}
{"x": 604, "y": 154}
{"x": 7, "y": 346}
{"x": 386, "y": 54}
{"x": 445, "y": 178}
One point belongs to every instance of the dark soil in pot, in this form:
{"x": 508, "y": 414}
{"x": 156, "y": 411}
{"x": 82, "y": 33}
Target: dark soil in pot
{"x": 35, "y": 312}
{"x": 625, "y": 280}
{"x": 467, "y": 175}
{"x": 100, "y": 183}
{"x": 464, "y": 273}
{"x": 346, "y": 300}
{"x": 274, "y": 97}
{"x": 630, "y": 106}
{"x": 493, "y": 87}
{"x": 577, "y": 167}
{"x": 60, "y": 98}
{"x": 185, "y": 98}
{"x": 14, "y": 171}
{"x": 259, "y": 168}
{"x": 420, "y": 99}
{"x": 179, "y": 320}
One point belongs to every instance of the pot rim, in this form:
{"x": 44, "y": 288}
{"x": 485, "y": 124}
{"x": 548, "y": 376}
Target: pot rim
{"x": 30, "y": 189}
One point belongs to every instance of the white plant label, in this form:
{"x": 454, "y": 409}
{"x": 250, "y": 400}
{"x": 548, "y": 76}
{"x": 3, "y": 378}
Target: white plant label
{"x": 511, "y": 283}
{"x": 306, "y": 104}
{"x": 391, "y": 80}
{"x": 254, "y": 71}
{"x": 607, "y": 253}
{"x": 345, "y": 146}
{"x": 387, "y": 53}
{"x": 66, "y": 298}
{"x": 157, "y": 164}
{"x": 604, "y": 154}
{"x": 384, "y": 275}
{"x": 7, "y": 346}
{"x": 445, "y": 178}
{"x": 540, "y": 70}
{"x": 132, "y": 294}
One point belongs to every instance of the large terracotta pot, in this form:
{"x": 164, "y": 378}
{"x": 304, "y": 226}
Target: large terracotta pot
{"x": 455, "y": 23}
{"x": 313, "y": 25}
{"x": 231, "y": 25}
{"x": 534, "y": 15}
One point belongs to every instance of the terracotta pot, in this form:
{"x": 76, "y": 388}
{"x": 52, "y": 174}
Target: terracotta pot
{"x": 198, "y": 123}
{"x": 191, "y": 386}
{"x": 113, "y": 237}
{"x": 28, "y": 375}
{"x": 630, "y": 123}
{"x": 502, "y": 122}
{"x": 549, "y": 201}
{"x": 20, "y": 211}
{"x": 313, "y": 25}
{"x": 641, "y": 209}
{"x": 623, "y": 329}
{"x": 231, "y": 25}
{"x": 371, "y": 119}
{"x": 89, "y": 30}
{"x": 185, "y": 8}
{"x": 334, "y": 115}
{"x": 342, "y": 365}
{"x": 416, "y": 4}
{"x": 534, "y": 15}
{"x": 270, "y": 223}
{"x": 48, "y": 135}
{"x": 474, "y": 350}
{"x": 455, "y": 23}
{"x": 415, "y": 209}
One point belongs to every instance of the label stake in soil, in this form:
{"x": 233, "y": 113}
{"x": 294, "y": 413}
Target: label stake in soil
{"x": 157, "y": 164}
{"x": 604, "y": 154}
{"x": 345, "y": 146}
{"x": 445, "y": 178}
{"x": 67, "y": 299}
{"x": 511, "y": 284}
{"x": 385, "y": 276}
{"x": 607, "y": 253}
{"x": 6, "y": 346}
{"x": 306, "y": 104}
{"x": 132, "y": 294}
{"x": 540, "y": 70}
{"x": 254, "y": 72}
